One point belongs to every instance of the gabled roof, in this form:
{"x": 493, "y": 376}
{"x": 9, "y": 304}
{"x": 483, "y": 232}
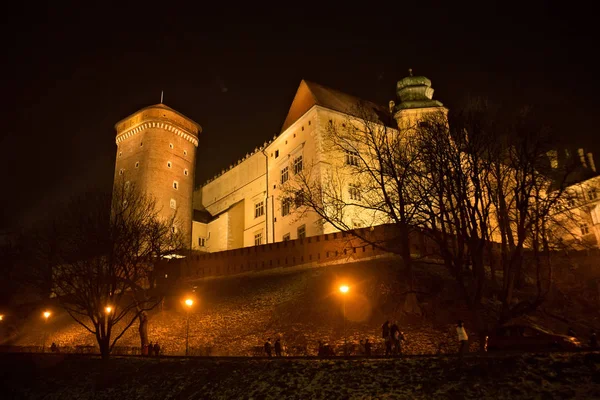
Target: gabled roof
{"x": 310, "y": 94}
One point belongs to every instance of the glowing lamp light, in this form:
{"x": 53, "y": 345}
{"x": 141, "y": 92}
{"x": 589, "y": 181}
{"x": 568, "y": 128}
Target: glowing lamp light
{"x": 108, "y": 309}
{"x": 47, "y": 314}
{"x": 189, "y": 302}
{"x": 344, "y": 289}
{"x": 1, "y": 317}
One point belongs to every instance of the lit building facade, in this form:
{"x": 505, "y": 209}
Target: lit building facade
{"x": 245, "y": 204}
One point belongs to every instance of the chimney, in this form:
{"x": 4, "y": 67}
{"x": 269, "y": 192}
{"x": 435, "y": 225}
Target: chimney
{"x": 590, "y": 157}
{"x": 582, "y": 157}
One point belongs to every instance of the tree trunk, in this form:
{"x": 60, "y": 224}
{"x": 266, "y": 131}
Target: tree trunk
{"x": 143, "y": 329}
{"x": 104, "y": 343}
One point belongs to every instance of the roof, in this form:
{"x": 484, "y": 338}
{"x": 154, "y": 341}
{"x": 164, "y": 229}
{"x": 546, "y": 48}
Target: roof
{"x": 310, "y": 94}
{"x": 165, "y": 107}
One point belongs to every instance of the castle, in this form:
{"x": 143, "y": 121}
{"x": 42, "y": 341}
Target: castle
{"x": 243, "y": 205}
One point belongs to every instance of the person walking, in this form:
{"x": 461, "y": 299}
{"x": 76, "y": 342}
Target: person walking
{"x": 463, "y": 339}
{"x": 278, "y": 347}
{"x": 385, "y": 334}
{"x": 156, "y": 349}
{"x": 395, "y": 338}
{"x": 150, "y": 349}
{"x": 268, "y": 347}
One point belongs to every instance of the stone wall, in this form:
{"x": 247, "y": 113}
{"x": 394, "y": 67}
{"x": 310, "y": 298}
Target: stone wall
{"x": 333, "y": 248}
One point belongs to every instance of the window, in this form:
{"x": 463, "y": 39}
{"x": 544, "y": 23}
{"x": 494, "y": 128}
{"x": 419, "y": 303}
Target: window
{"x": 352, "y": 158}
{"x": 584, "y": 229}
{"x": 592, "y": 194}
{"x": 137, "y": 164}
{"x": 175, "y": 185}
{"x": 276, "y": 153}
{"x": 286, "y": 237}
{"x": 309, "y": 123}
{"x": 357, "y": 224}
{"x": 168, "y": 164}
{"x": 120, "y": 153}
{"x": 185, "y": 152}
{"x": 173, "y": 204}
{"x": 170, "y": 145}
{"x": 185, "y": 172}
{"x": 258, "y": 238}
{"x": 301, "y": 231}
{"x": 121, "y": 171}
{"x": 141, "y": 144}
{"x": 284, "y": 175}
{"x": 174, "y": 229}
{"x": 298, "y": 165}
{"x": 201, "y": 242}
{"x": 285, "y": 207}
{"x": 299, "y": 198}
{"x": 571, "y": 200}
{"x": 259, "y": 209}
{"x": 354, "y": 192}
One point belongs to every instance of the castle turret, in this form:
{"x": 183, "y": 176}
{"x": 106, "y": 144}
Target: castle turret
{"x": 156, "y": 151}
{"x": 415, "y": 99}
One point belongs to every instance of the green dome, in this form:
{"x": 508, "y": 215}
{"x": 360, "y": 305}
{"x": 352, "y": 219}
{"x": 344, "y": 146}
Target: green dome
{"x": 415, "y": 92}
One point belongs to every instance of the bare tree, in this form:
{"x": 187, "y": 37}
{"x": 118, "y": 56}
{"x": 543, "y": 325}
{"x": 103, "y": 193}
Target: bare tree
{"x": 366, "y": 180}
{"x": 487, "y": 179}
{"x": 102, "y": 269}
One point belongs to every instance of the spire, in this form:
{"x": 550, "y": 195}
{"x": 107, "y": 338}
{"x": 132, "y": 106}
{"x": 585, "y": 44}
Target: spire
{"x": 161, "y": 96}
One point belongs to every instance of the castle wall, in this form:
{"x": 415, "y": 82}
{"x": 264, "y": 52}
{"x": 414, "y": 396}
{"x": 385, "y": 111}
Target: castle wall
{"x": 199, "y": 230}
{"x": 217, "y": 233}
{"x": 299, "y": 140}
{"x": 338, "y": 247}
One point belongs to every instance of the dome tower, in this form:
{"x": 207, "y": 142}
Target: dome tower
{"x": 414, "y": 100}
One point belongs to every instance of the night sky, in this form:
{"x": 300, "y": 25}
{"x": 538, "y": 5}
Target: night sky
{"x": 70, "y": 73}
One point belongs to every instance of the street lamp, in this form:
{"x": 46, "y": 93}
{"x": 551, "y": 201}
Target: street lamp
{"x": 108, "y": 309}
{"x": 189, "y": 303}
{"x": 1, "y": 317}
{"x": 46, "y": 315}
{"x": 344, "y": 289}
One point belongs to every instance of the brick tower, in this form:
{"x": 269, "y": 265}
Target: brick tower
{"x": 156, "y": 151}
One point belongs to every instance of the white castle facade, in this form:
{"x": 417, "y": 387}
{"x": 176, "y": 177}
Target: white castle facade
{"x": 244, "y": 205}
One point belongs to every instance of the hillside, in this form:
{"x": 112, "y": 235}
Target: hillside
{"x": 234, "y": 316}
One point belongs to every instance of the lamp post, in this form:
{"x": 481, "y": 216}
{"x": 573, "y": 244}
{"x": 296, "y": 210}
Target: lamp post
{"x": 107, "y": 311}
{"x": 344, "y": 289}
{"x": 46, "y": 315}
{"x": 189, "y": 303}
